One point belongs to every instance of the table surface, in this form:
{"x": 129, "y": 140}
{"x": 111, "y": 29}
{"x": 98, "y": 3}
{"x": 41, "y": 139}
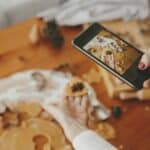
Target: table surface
{"x": 17, "y": 54}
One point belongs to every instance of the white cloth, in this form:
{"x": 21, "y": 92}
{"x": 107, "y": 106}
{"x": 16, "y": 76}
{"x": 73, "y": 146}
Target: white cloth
{"x": 74, "y": 12}
{"x": 3, "y": 19}
{"x": 89, "y": 140}
{"x": 13, "y": 11}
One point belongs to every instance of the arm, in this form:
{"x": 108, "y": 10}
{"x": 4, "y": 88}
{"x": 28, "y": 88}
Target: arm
{"x": 89, "y": 140}
{"x": 77, "y": 134}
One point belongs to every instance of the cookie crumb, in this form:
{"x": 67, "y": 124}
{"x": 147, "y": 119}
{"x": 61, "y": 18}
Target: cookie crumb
{"x": 1, "y": 125}
{"x": 147, "y": 108}
{"x": 22, "y": 58}
{"x": 93, "y": 76}
{"x": 10, "y": 118}
{"x": 34, "y": 35}
{"x": 120, "y": 147}
{"x": 106, "y": 130}
{"x": 40, "y": 141}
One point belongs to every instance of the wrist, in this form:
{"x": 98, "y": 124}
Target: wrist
{"x": 72, "y": 128}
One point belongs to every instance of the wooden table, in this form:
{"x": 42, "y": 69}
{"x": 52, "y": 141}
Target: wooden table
{"x": 17, "y": 54}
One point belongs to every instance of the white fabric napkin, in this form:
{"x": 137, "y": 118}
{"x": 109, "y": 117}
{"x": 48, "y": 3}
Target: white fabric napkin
{"x": 72, "y": 12}
{"x": 75, "y": 12}
{"x": 14, "y": 11}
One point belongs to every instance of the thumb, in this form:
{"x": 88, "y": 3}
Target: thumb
{"x": 56, "y": 112}
{"x": 145, "y": 61}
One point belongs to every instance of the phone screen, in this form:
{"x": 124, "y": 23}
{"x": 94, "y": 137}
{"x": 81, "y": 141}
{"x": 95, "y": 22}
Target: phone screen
{"x": 112, "y": 51}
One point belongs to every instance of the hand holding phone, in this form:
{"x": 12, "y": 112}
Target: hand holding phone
{"x": 113, "y": 53}
{"x": 143, "y": 65}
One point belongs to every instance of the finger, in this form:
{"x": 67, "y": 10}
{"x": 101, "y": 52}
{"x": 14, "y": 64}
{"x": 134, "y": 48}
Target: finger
{"x": 77, "y": 100}
{"x": 146, "y": 84}
{"x": 80, "y": 106}
{"x": 85, "y": 102}
{"x": 145, "y": 61}
{"x": 64, "y": 103}
{"x": 56, "y": 112}
{"x": 70, "y": 100}
{"x": 90, "y": 111}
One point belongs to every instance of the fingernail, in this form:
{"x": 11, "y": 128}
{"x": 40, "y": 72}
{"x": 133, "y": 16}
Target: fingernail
{"x": 141, "y": 66}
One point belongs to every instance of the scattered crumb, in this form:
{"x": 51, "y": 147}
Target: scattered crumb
{"x": 34, "y": 35}
{"x": 61, "y": 66}
{"x": 147, "y": 108}
{"x": 92, "y": 76}
{"x": 40, "y": 141}
{"x": 92, "y": 124}
{"x": 64, "y": 67}
{"x": 10, "y": 118}
{"x": 23, "y": 116}
{"x": 22, "y": 58}
{"x": 106, "y": 130}
{"x": 120, "y": 147}
{"x": 1, "y": 125}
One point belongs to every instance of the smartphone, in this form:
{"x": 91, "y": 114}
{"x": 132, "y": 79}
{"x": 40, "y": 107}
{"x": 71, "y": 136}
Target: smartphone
{"x": 112, "y": 53}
